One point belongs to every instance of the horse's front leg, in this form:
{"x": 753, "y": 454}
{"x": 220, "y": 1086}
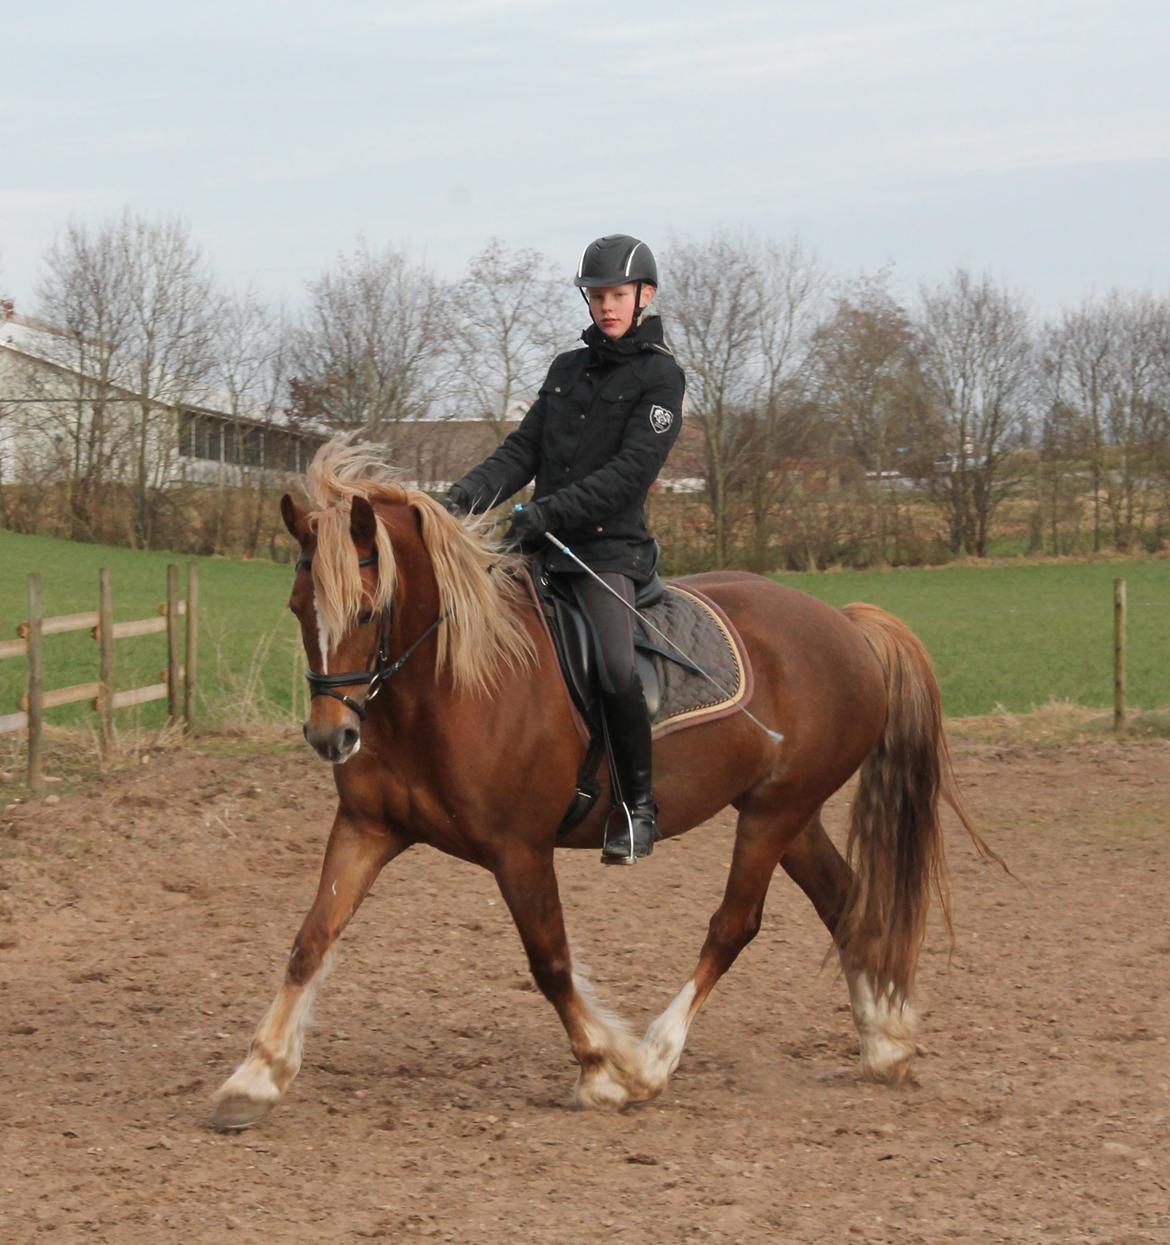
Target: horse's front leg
{"x": 353, "y": 859}
{"x": 605, "y": 1050}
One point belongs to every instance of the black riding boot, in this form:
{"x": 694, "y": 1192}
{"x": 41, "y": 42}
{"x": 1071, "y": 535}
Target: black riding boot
{"x": 630, "y": 831}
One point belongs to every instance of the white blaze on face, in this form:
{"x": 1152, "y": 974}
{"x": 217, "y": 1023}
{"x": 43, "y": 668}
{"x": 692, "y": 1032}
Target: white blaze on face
{"x": 322, "y": 638}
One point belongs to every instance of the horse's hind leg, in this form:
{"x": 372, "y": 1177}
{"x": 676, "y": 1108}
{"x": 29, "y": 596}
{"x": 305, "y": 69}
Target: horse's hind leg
{"x": 760, "y": 839}
{"x": 885, "y": 1025}
{"x": 354, "y": 857}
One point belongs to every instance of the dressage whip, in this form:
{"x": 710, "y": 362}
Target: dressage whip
{"x": 775, "y": 736}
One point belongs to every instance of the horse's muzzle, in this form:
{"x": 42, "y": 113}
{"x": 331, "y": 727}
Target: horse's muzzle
{"x": 333, "y": 743}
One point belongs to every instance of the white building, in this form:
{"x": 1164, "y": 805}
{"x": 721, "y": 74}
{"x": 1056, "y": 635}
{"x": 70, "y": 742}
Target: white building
{"x": 65, "y": 412}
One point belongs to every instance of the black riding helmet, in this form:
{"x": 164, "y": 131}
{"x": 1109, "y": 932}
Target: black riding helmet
{"x": 615, "y": 260}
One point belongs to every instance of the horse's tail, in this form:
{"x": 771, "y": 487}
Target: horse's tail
{"x": 895, "y": 837}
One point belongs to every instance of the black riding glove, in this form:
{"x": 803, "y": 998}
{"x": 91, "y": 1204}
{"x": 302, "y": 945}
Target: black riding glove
{"x": 456, "y": 502}
{"x": 528, "y": 523}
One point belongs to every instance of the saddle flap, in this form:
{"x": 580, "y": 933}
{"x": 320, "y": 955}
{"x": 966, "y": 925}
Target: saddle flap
{"x": 571, "y": 635}
{"x": 679, "y": 689}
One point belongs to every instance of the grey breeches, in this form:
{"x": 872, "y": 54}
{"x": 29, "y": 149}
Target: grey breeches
{"x": 612, "y": 626}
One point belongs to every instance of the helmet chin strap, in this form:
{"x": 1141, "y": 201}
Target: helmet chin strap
{"x": 638, "y": 308}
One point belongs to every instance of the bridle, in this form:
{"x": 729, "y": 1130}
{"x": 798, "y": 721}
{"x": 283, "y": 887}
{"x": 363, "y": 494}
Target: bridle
{"x": 382, "y": 667}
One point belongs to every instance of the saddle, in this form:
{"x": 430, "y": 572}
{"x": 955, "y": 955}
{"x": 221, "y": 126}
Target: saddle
{"x": 676, "y": 690}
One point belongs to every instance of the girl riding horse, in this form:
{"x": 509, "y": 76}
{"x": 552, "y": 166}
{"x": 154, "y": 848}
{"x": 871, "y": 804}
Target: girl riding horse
{"x": 595, "y": 439}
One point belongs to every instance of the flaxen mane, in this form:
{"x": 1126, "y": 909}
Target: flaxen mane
{"x": 480, "y": 596}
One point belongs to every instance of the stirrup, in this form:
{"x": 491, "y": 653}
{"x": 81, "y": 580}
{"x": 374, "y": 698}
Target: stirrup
{"x": 634, "y": 837}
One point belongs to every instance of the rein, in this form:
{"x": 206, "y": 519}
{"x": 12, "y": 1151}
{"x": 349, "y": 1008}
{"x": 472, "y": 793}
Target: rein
{"x": 381, "y": 670}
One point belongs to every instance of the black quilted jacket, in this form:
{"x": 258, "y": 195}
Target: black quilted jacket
{"x": 595, "y": 440}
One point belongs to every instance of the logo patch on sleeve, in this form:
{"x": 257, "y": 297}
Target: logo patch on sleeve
{"x": 661, "y": 419}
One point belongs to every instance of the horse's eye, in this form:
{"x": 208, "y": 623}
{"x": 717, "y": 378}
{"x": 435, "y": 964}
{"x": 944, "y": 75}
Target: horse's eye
{"x": 366, "y": 616}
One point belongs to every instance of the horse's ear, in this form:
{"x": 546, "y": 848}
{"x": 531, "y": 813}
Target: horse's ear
{"x": 363, "y": 522}
{"x": 294, "y": 517}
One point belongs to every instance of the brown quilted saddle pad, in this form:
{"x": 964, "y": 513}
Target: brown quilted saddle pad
{"x": 707, "y": 636}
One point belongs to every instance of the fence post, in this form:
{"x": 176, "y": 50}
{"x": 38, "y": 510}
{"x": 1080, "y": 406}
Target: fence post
{"x": 173, "y": 642}
{"x": 105, "y": 635}
{"x": 1119, "y": 612}
{"x": 36, "y": 681}
{"x": 192, "y": 644}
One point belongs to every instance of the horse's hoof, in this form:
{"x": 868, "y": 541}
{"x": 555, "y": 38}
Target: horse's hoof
{"x": 891, "y": 1067}
{"x": 600, "y": 1090}
{"x": 235, "y": 1112}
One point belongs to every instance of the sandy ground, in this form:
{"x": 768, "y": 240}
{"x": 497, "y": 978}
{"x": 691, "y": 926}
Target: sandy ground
{"x": 143, "y": 922}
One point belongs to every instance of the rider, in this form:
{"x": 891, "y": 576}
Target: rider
{"x": 595, "y": 439}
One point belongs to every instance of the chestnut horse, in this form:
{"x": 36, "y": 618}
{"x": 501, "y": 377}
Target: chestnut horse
{"x": 439, "y": 702}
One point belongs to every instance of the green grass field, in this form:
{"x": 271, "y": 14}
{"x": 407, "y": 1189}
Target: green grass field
{"x": 250, "y": 658}
{"x": 1015, "y": 637}
{"x": 1018, "y": 637}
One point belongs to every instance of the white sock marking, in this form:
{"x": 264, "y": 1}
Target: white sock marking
{"x": 611, "y": 1083}
{"x": 885, "y": 1026}
{"x": 276, "y": 1055}
{"x": 662, "y": 1047}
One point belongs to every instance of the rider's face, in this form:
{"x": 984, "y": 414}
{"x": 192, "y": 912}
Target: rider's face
{"x": 612, "y": 307}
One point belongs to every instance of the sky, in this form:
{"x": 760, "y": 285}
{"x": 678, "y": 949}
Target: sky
{"x": 1026, "y": 138}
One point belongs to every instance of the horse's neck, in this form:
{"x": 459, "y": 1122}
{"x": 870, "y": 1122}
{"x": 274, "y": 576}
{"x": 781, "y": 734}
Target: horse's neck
{"x": 418, "y": 604}
{"x": 416, "y": 607}
{"x": 427, "y": 696}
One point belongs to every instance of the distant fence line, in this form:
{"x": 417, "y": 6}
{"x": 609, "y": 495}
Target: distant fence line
{"x": 177, "y": 682}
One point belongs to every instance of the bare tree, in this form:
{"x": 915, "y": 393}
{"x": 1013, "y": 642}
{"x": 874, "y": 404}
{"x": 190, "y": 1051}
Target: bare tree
{"x": 740, "y": 313}
{"x": 504, "y": 323}
{"x": 870, "y": 387}
{"x": 785, "y": 426}
{"x": 8, "y": 430}
{"x": 975, "y": 347}
{"x": 711, "y": 306}
{"x": 367, "y": 355}
{"x": 1160, "y": 450}
{"x": 84, "y": 295}
{"x": 1106, "y": 381}
{"x": 133, "y": 310}
{"x": 251, "y": 379}
{"x": 175, "y": 312}
{"x": 1079, "y": 361}
{"x": 1060, "y": 474}
{"x": 1137, "y": 418}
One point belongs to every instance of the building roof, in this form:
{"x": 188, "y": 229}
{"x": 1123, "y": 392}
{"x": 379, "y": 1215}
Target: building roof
{"x": 35, "y": 339}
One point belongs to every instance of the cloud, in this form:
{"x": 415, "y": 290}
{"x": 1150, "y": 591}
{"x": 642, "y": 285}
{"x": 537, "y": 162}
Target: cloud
{"x": 438, "y": 14}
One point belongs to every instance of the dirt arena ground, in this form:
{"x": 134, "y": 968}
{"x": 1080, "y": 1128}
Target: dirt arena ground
{"x": 144, "y": 919}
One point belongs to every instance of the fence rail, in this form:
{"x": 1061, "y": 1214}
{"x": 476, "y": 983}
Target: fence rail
{"x": 61, "y": 624}
{"x": 177, "y": 681}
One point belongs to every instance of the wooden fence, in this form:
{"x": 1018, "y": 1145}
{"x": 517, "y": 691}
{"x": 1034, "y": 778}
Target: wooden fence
{"x": 177, "y": 682}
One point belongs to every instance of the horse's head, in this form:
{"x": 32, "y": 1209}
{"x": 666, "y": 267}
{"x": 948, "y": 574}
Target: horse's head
{"x": 341, "y": 598}
{"x": 346, "y": 580}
